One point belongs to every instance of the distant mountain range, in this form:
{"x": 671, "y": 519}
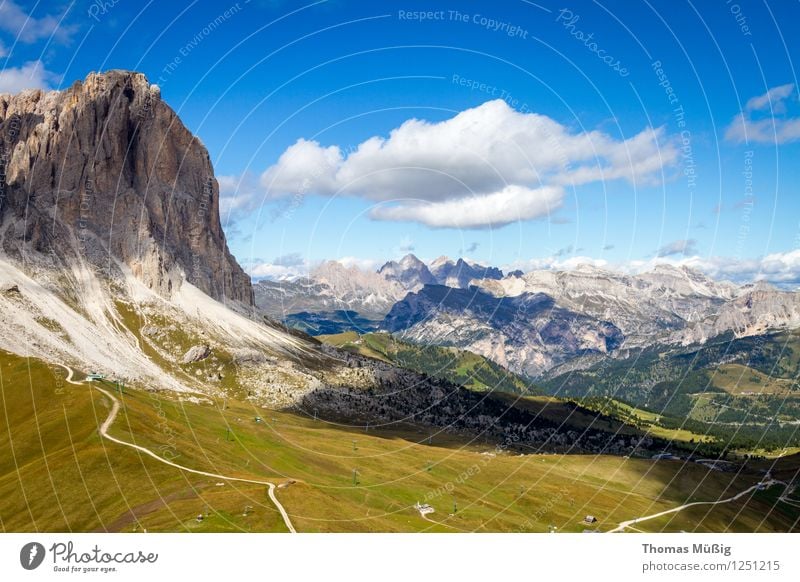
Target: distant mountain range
{"x": 536, "y": 323}
{"x": 332, "y": 286}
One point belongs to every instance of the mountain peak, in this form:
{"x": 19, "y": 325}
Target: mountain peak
{"x": 104, "y": 171}
{"x": 461, "y": 272}
{"x": 438, "y": 262}
{"x": 669, "y": 269}
{"x": 409, "y": 271}
{"x": 410, "y": 260}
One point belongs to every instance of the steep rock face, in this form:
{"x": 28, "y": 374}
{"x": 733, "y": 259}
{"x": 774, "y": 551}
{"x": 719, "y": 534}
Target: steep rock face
{"x": 105, "y": 171}
{"x": 409, "y": 272}
{"x": 461, "y": 273}
{"x": 527, "y": 333}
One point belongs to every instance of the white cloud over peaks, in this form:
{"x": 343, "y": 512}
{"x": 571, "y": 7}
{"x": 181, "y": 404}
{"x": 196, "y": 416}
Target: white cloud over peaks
{"x": 487, "y": 166}
{"x": 32, "y": 75}
{"x": 555, "y": 262}
{"x": 359, "y": 263}
{"x": 293, "y": 266}
{"x": 782, "y": 268}
{"x": 275, "y": 272}
{"x": 750, "y": 126}
{"x": 510, "y": 204}
{"x": 678, "y": 247}
{"x": 283, "y": 268}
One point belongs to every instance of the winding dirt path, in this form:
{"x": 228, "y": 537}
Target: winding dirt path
{"x": 630, "y": 522}
{"x": 113, "y": 415}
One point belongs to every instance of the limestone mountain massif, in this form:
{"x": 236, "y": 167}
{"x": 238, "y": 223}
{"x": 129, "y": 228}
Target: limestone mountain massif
{"x": 105, "y": 172}
{"x": 112, "y": 255}
{"x": 527, "y": 333}
{"x": 333, "y": 286}
{"x": 668, "y": 305}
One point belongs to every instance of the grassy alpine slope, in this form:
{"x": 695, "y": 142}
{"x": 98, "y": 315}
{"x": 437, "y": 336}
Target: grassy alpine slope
{"x": 742, "y": 392}
{"x": 455, "y": 365}
{"x": 56, "y": 474}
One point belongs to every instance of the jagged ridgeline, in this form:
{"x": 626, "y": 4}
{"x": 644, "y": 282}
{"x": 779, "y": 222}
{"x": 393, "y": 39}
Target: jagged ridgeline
{"x": 105, "y": 172}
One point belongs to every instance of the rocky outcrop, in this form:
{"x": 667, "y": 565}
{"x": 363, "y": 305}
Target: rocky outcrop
{"x": 196, "y": 354}
{"x": 9, "y": 289}
{"x": 105, "y": 171}
{"x": 527, "y": 333}
{"x": 409, "y": 272}
{"x": 461, "y": 273}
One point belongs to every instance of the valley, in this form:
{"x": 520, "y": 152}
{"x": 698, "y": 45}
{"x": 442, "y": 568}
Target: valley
{"x": 116, "y": 488}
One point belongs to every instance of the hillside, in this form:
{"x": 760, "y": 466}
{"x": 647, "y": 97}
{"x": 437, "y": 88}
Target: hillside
{"x": 743, "y": 392}
{"x": 85, "y": 483}
{"x": 459, "y": 366}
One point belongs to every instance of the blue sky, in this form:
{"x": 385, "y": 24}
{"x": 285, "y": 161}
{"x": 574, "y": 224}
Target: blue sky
{"x": 548, "y": 133}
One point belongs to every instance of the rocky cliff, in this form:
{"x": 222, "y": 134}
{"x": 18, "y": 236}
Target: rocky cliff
{"x": 527, "y": 333}
{"x": 461, "y": 273}
{"x": 106, "y": 173}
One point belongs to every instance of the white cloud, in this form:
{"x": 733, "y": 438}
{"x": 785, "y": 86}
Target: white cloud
{"x": 487, "y": 166}
{"x": 782, "y": 269}
{"x": 238, "y": 195}
{"x": 777, "y": 127}
{"x": 554, "y": 263}
{"x": 292, "y": 266}
{"x": 511, "y": 204}
{"x": 362, "y": 264}
{"x": 285, "y": 267}
{"x": 275, "y": 272}
{"x": 32, "y": 75}
{"x": 678, "y": 247}
{"x": 29, "y": 29}
{"x": 772, "y": 99}
{"x": 303, "y": 167}
{"x": 773, "y": 130}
